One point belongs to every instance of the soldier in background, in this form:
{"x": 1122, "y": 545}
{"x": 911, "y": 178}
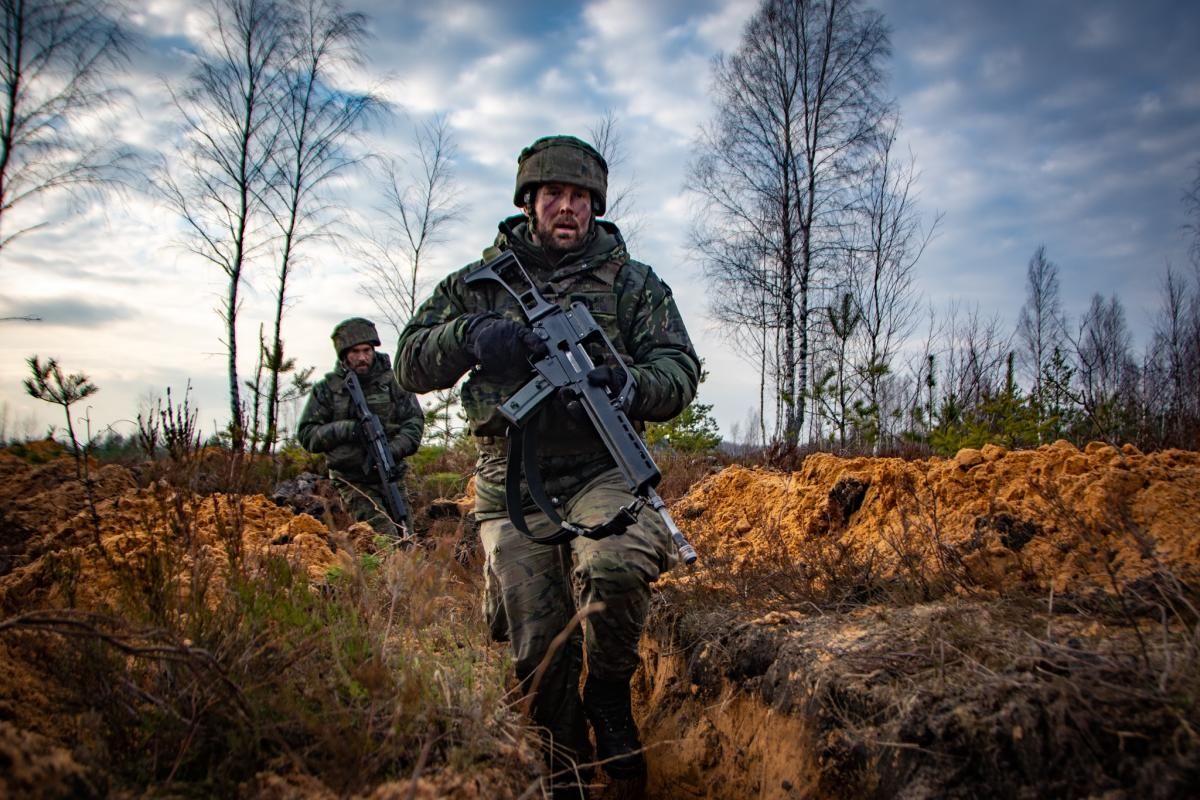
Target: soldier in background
{"x": 571, "y": 256}
{"x": 329, "y": 425}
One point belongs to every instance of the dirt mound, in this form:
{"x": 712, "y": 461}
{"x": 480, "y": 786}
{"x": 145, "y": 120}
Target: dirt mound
{"x": 156, "y": 544}
{"x": 1021, "y": 621}
{"x": 40, "y": 496}
{"x": 990, "y": 635}
{"x": 146, "y": 531}
{"x": 1054, "y": 517}
{"x": 123, "y": 631}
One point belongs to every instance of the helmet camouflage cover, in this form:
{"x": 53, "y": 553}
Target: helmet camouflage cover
{"x": 352, "y": 332}
{"x": 563, "y": 159}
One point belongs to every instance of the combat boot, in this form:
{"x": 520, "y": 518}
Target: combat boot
{"x": 608, "y": 708}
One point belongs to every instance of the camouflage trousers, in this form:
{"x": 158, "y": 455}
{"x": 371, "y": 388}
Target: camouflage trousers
{"x": 530, "y": 593}
{"x": 365, "y": 503}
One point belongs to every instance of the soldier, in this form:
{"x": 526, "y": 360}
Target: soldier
{"x": 329, "y": 425}
{"x": 572, "y": 256}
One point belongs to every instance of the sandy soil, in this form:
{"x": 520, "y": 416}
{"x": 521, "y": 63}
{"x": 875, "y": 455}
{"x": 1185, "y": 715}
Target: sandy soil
{"x": 1014, "y": 624}
{"x": 1052, "y": 518}
{"x": 1002, "y": 624}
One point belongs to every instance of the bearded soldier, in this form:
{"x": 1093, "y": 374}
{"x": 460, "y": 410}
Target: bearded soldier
{"x": 571, "y": 256}
{"x": 330, "y": 425}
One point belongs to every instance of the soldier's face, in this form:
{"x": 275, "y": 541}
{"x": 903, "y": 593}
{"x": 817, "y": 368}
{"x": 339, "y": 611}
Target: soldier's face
{"x": 563, "y": 215}
{"x": 360, "y": 357}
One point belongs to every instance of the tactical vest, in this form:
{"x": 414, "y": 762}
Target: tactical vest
{"x": 383, "y": 397}
{"x": 592, "y": 285}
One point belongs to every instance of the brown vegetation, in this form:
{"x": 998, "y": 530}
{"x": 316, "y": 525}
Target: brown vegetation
{"x": 1021, "y": 623}
{"x": 218, "y": 644}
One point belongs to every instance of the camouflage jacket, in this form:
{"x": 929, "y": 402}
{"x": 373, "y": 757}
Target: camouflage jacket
{"x": 633, "y": 306}
{"x": 328, "y": 424}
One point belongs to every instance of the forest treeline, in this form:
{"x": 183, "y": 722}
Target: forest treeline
{"x": 810, "y": 237}
{"x": 970, "y": 381}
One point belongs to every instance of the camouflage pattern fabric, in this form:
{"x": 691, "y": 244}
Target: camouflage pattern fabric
{"x": 633, "y": 306}
{"x": 529, "y": 595}
{"x": 366, "y": 503}
{"x": 563, "y": 159}
{"x": 354, "y": 331}
{"x": 529, "y": 598}
{"x": 328, "y": 425}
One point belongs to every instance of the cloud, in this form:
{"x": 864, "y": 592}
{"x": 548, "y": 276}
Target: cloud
{"x": 721, "y": 30}
{"x": 1098, "y": 30}
{"x": 1056, "y": 123}
{"x": 939, "y": 51}
{"x": 1002, "y": 69}
{"x": 933, "y": 98}
{"x": 649, "y": 63}
{"x": 180, "y": 19}
{"x": 67, "y": 312}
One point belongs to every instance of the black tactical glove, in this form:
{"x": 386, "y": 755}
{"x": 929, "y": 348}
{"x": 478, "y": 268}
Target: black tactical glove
{"x": 501, "y": 346}
{"x": 402, "y": 447}
{"x": 345, "y": 431}
{"x": 612, "y": 378}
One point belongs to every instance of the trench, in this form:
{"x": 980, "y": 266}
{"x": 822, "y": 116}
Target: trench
{"x": 724, "y": 747}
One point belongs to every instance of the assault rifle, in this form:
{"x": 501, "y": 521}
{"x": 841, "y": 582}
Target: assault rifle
{"x": 567, "y": 334}
{"x": 379, "y": 454}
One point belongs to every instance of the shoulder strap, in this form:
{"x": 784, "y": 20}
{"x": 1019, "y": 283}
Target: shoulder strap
{"x": 522, "y": 457}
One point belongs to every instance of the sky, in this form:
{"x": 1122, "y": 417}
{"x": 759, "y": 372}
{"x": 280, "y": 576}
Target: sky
{"x": 1072, "y": 124}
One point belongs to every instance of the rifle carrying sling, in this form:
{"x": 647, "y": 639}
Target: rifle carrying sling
{"x": 522, "y": 457}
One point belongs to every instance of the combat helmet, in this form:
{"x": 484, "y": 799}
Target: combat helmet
{"x": 563, "y": 159}
{"x": 354, "y": 331}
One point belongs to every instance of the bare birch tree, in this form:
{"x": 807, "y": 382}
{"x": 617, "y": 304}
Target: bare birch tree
{"x": 1040, "y": 325}
{"x": 56, "y": 57}
{"x": 232, "y": 135}
{"x": 420, "y": 204}
{"x": 835, "y": 382}
{"x": 1173, "y": 364}
{"x": 623, "y": 186}
{"x": 888, "y": 242}
{"x": 317, "y": 120}
{"x": 1106, "y": 370}
{"x": 795, "y": 105}
{"x": 742, "y": 299}
{"x": 974, "y": 360}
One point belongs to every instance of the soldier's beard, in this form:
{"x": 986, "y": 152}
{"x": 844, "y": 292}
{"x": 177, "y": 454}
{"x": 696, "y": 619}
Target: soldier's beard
{"x": 555, "y": 241}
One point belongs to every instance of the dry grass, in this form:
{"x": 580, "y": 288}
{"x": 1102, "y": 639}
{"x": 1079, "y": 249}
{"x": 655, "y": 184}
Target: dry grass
{"x": 192, "y": 687}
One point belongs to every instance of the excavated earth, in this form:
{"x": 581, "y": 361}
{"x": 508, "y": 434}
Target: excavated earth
{"x": 1001, "y": 624}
